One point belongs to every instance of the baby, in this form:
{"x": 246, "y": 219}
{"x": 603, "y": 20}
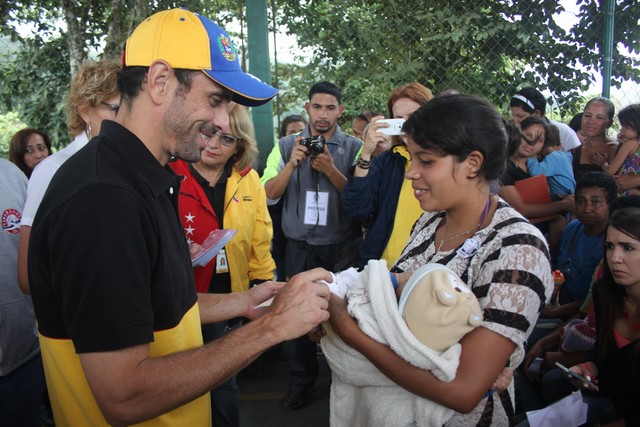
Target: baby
{"x": 438, "y": 308}
{"x": 556, "y": 165}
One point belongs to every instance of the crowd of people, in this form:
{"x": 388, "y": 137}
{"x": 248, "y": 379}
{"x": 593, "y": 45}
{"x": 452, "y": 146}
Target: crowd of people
{"x": 538, "y": 220}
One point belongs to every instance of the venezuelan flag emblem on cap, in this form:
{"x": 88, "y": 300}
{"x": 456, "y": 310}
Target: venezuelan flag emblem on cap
{"x": 186, "y": 40}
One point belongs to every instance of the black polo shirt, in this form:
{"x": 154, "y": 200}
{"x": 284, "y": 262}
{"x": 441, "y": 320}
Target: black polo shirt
{"x": 109, "y": 264}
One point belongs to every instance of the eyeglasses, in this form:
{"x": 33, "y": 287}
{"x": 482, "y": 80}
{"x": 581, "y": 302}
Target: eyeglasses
{"x": 110, "y": 106}
{"x": 224, "y": 139}
{"x": 30, "y": 149}
{"x": 531, "y": 141}
{"x": 582, "y": 202}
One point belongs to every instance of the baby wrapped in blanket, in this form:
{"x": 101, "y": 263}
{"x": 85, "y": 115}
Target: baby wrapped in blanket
{"x": 436, "y": 310}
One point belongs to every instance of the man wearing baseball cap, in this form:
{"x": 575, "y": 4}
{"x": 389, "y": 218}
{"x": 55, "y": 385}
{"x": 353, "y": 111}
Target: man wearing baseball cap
{"x": 109, "y": 266}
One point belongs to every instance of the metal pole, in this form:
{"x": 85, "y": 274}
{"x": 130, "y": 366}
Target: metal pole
{"x": 607, "y": 48}
{"x": 257, "y": 33}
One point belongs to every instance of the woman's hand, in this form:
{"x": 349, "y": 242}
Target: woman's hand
{"x": 599, "y": 159}
{"x": 316, "y": 334}
{"x": 504, "y": 379}
{"x": 534, "y": 352}
{"x": 373, "y": 139}
{"x": 587, "y": 370}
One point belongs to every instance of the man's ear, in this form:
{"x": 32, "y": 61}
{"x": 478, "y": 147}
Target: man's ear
{"x": 474, "y": 162}
{"x": 537, "y": 113}
{"x": 158, "y": 80}
{"x": 340, "y": 110}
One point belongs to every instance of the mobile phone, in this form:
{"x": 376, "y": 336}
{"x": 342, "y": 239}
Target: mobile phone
{"x": 574, "y": 375}
{"x": 395, "y": 126}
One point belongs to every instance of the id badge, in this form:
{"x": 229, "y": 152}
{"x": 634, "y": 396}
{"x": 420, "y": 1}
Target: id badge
{"x": 222, "y": 266}
{"x": 316, "y": 207}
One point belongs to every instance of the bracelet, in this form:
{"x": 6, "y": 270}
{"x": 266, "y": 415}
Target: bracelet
{"x": 363, "y": 164}
{"x": 394, "y": 280}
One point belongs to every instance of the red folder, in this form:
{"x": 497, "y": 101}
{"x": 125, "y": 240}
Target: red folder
{"x": 535, "y": 190}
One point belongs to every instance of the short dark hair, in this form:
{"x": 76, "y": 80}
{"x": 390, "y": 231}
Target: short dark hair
{"x": 513, "y": 137}
{"x": 534, "y": 96}
{"x": 326, "y": 87}
{"x": 553, "y": 137}
{"x": 456, "y": 125}
{"x": 130, "y": 81}
{"x": 293, "y": 118}
{"x": 576, "y": 122}
{"x": 611, "y": 109}
{"x": 629, "y": 116}
{"x": 601, "y": 180}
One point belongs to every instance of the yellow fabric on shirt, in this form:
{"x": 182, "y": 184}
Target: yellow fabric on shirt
{"x": 407, "y": 213}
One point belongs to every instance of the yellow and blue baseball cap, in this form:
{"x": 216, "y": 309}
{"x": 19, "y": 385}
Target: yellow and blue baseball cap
{"x": 189, "y": 41}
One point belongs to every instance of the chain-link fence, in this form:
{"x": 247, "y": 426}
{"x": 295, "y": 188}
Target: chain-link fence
{"x": 488, "y": 47}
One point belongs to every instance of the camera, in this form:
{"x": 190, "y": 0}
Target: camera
{"x": 315, "y": 144}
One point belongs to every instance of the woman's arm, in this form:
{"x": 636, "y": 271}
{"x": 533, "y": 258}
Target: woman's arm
{"x": 484, "y": 356}
{"x": 614, "y": 165}
{"x": 535, "y": 210}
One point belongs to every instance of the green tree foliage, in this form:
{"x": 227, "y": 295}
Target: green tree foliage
{"x": 490, "y": 47}
{"x": 36, "y": 68}
{"x": 9, "y": 125}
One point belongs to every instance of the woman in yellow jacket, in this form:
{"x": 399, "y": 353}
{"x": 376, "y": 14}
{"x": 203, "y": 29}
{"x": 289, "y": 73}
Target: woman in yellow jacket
{"x": 223, "y": 191}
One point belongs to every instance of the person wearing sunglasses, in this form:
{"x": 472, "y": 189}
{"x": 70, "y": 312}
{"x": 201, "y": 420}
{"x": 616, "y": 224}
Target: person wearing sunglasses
{"x": 28, "y": 147}
{"x": 221, "y": 190}
{"x": 524, "y": 144}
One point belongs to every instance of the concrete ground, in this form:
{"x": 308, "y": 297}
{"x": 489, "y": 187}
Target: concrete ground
{"x": 261, "y": 399}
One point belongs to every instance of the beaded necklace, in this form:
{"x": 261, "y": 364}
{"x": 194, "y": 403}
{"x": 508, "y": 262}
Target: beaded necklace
{"x": 475, "y": 228}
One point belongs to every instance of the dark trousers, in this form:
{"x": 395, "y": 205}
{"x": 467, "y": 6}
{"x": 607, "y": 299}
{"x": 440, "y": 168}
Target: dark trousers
{"x": 225, "y": 399}
{"x": 21, "y": 395}
{"x": 302, "y": 359}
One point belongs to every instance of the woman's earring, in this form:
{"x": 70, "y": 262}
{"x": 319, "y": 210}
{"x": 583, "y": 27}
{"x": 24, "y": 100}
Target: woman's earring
{"x": 88, "y": 131}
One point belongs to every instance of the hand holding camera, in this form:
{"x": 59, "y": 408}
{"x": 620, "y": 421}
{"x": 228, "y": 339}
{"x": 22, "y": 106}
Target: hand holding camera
{"x": 315, "y": 144}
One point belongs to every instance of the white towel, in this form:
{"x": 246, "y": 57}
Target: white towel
{"x": 360, "y": 394}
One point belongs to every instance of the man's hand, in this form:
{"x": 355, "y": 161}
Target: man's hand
{"x": 259, "y": 294}
{"x": 301, "y": 304}
{"x": 299, "y": 153}
{"x": 323, "y": 162}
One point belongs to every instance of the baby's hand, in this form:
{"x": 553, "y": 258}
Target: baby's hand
{"x": 342, "y": 282}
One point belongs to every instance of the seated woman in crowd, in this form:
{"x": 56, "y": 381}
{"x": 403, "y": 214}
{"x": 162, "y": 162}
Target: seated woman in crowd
{"x": 28, "y": 147}
{"x": 523, "y": 146}
{"x": 627, "y": 159}
{"x": 614, "y": 367}
{"x": 596, "y": 119}
{"x": 458, "y": 146}
{"x": 377, "y": 191}
{"x": 529, "y": 101}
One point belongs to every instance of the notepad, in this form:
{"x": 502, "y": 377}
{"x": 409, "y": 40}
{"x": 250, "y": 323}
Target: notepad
{"x": 535, "y": 190}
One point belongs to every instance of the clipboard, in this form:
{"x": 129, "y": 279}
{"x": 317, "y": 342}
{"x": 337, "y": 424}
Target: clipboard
{"x": 535, "y": 190}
